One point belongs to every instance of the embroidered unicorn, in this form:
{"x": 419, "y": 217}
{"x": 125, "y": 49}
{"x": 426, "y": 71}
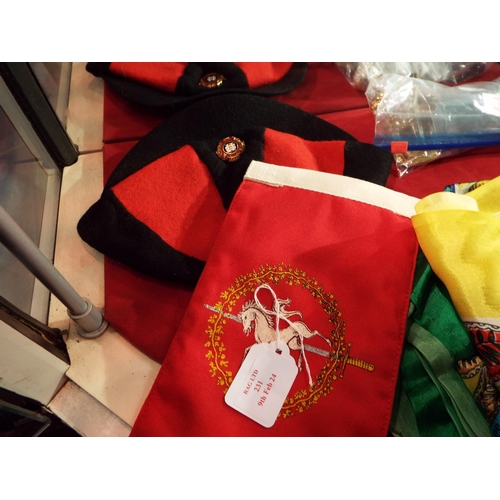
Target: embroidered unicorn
{"x": 253, "y": 316}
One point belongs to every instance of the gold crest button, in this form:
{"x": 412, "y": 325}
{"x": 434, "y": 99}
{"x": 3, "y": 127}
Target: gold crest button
{"x": 230, "y": 148}
{"x": 211, "y": 80}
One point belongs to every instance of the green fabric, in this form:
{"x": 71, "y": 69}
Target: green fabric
{"x": 460, "y": 405}
{"x": 432, "y": 399}
{"x": 404, "y": 422}
{"x": 434, "y": 311}
{"x": 430, "y": 411}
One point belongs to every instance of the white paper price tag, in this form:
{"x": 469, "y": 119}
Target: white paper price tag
{"x": 263, "y": 383}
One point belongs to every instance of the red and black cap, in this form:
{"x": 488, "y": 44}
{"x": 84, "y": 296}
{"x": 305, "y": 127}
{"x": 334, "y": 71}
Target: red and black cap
{"x": 163, "y": 205}
{"x": 164, "y": 87}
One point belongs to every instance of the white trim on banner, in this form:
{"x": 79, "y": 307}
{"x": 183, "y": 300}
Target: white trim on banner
{"x": 332, "y": 184}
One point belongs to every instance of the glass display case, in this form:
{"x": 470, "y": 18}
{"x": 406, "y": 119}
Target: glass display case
{"x": 34, "y": 148}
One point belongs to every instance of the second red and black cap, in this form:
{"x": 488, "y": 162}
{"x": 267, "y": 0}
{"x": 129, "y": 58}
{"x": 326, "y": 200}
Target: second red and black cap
{"x": 164, "y": 87}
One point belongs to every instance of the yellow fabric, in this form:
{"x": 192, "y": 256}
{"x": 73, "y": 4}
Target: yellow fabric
{"x": 446, "y": 201}
{"x": 487, "y": 196}
{"x": 461, "y": 241}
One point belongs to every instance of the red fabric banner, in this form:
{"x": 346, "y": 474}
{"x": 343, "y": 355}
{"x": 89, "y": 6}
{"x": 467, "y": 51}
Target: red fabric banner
{"x": 342, "y": 268}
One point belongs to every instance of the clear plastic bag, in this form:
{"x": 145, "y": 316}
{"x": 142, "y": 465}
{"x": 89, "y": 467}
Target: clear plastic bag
{"x": 432, "y": 116}
{"x": 359, "y": 74}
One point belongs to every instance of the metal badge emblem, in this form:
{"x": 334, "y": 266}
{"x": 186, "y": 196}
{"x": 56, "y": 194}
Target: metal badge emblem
{"x": 211, "y": 80}
{"x": 230, "y": 148}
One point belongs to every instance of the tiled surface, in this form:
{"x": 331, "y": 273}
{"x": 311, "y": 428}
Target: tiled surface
{"x": 109, "y": 376}
{"x": 85, "y": 110}
{"x": 112, "y": 371}
{"x": 85, "y": 414}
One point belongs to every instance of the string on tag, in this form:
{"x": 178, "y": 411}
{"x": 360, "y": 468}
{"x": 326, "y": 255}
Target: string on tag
{"x": 277, "y": 313}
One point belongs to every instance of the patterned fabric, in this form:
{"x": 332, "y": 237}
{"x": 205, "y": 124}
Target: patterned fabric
{"x": 487, "y": 339}
{"x": 476, "y": 378}
{"x": 464, "y": 187}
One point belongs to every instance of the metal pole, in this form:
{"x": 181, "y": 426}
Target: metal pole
{"x": 89, "y": 320}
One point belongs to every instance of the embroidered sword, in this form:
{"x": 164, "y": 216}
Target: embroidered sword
{"x": 316, "y": 350}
